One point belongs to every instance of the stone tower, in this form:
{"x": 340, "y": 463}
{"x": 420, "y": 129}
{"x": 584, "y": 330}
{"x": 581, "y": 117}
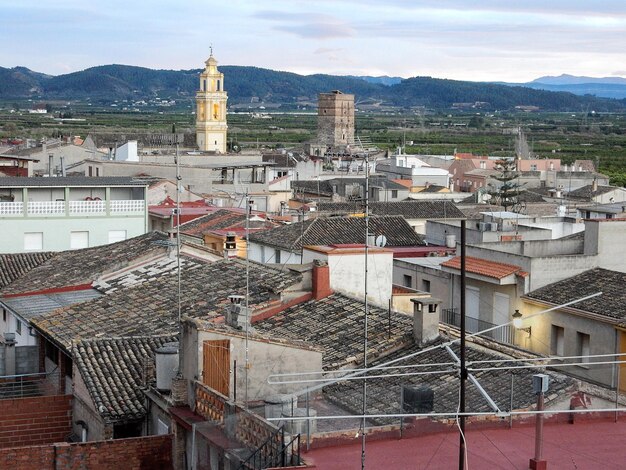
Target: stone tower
{"x": 335, "y": 119}
{"x": 211, "y": 100}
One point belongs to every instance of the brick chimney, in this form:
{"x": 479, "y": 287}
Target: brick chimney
{"x": 425, "y": 319}
{"x": 321, "y": 280}
{"x": 236, "y": 314}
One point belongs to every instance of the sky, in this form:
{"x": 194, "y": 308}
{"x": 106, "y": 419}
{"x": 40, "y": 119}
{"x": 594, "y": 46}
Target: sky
{"x": 487, "y": 40}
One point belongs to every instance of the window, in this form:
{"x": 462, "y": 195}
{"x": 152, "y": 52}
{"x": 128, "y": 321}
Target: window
{"x": 425, "y": 285}
{"x": 117, "y": 235}
{"x": 90, "y": 171}
{"x": 4, "y": 315}
{"x": 557, "y": 341}
{"x": 97, "y": 171}
{"x": 162, "y": 427}
{"x": 394, "y": 194}
{"x": 277, "y": 256}
{"x": 79, "y": 240}
{"x": 582, "y": 346}
{"x": 432, "y": 308}
{"x": 52, "y": 352}
{"x": 33, "y": 241}
{"x": 18, "y": 327}
{"x": 407, "y": 281}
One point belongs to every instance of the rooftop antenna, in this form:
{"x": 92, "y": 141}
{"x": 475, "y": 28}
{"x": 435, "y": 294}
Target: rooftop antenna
{"x": 366, "y": 308}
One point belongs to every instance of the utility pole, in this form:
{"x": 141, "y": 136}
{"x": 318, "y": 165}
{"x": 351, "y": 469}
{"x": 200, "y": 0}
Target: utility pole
{"x": 463, "y": 369}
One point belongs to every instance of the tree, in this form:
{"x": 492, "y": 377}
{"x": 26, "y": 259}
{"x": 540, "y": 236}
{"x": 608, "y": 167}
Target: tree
{"x": 506, "y": 193}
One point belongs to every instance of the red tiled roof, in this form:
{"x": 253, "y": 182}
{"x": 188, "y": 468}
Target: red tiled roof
{"x": 406, "y": 183}
{"x": 484, "y": 267}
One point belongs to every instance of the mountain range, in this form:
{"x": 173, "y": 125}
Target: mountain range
{"x": 252, "y": 84}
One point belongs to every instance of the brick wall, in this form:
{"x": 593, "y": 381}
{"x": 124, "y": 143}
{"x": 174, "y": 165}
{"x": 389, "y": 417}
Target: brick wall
{"x": 37, "y": 420}
{"x": 141, "y": 453}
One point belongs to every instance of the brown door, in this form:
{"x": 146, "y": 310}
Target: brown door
{"x": 216, "y": 365}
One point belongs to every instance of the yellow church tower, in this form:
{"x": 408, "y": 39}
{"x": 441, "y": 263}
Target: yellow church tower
{"x": 211, "y": 100}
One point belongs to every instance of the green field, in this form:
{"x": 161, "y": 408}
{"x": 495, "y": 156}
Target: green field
{"x": 568, "y": 136}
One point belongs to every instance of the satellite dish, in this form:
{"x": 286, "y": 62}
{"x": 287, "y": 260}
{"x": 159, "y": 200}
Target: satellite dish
{"x": 380, "y": 241}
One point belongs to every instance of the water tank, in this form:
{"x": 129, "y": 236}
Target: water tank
{"x": 451, "y": 240}
{"x": 417, "y": 399}
{"x": 166, "y": 359}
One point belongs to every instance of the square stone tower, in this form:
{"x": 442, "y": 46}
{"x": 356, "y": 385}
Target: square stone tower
{"x": 335, "y": 119}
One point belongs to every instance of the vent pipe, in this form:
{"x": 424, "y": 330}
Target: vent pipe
{"x": 63, "y": 166}
{"x": 50, "y": 162}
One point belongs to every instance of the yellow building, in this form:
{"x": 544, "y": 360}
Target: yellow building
{"x": 211, "y": 100}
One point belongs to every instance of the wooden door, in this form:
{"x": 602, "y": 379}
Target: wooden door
{"x": 216, "y": 365}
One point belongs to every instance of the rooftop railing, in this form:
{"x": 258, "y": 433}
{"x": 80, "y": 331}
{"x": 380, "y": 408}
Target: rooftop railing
{"x": 73, "y": 208}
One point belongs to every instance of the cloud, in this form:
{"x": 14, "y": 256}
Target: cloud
{"x": 317, "y": 30}
{"x": 327, "y": 50}
{"x": 307, "y": 25}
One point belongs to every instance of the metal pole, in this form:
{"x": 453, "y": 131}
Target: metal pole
{"x": 617, "y": 389}
{"x": 308, "y": 424}
{"x": 539, "y": 429}
{"x": 248, "y": 319}
{"x": 366, "y": 306}
{"x": 463, "y": 369}
{"x": 511, "y": 404}
{"x": 178, "y": 273}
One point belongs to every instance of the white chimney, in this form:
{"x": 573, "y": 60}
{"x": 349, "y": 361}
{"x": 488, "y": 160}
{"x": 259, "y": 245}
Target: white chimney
{"x": 236, "y": 314}
{"x": 425, "y": 319}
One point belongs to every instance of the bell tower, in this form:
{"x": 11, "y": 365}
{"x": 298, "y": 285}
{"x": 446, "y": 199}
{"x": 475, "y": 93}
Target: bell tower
{"x": 211, "y": 100}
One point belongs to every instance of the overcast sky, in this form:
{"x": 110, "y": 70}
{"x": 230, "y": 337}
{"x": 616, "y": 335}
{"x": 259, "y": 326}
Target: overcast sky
{"x": 487, "y": 40}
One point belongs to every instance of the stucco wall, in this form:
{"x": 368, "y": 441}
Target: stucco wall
{"x": 602, "y": 340}
{"x": 85, "y": 410}
{"x": 264, "y": 358}
{"x": 56, "y": 230}
{"x": 441, "y": 286}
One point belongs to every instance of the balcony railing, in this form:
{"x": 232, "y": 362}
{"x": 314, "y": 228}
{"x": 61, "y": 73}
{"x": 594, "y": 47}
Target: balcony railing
{"x": 46, "y": 207}
{"x": 58, "y": 208}
{"x": 120, "y": 207}
{"x": 11, "y": 208}
{"x": 87, "y": 207}
{"x": 504, "y": 334}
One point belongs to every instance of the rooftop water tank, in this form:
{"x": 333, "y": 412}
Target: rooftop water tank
{"x": 166, "y": 359}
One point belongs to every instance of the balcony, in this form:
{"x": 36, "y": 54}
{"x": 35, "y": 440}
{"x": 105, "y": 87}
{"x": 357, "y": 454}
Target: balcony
{"x": 504, "y": 334}
{"x": 73, "y": 208}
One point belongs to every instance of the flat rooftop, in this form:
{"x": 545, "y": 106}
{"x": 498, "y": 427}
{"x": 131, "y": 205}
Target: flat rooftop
{"x": 584, "y": 445}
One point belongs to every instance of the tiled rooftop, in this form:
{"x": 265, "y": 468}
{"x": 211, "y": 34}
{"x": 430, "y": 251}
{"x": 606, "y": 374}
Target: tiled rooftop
{"x": 335, "y": 323}
{"x": 611, "y": 283}
{"x": 113, "y": 370}
{"x": 150, "y": 308}
{"x": 338, "y": 230}
{"x": 80, "y": 267}
{"x": 587, "y": 192}
{"x": 220, "y": 221}
{"x": 414, "y": 209}
{"x": 384, "y": 393}
{"x": 12, "y": 266}
{"x": 484, "y": 267}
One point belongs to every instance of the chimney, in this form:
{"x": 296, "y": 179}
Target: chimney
{"x": 50, "y": 163}
{"x": 425, "y": 319}
{"x": 230, "y": 246}
{"x": 9, "y": 353}
{"x": 321, "y": 279}
{"x": 236, "y": 315}
{"x": 594, "y": 185}
{"x": 63, "y": 166}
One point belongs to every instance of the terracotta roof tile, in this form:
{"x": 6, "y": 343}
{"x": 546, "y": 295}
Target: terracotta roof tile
{"x": 113, "y": 369}
{"x": 484, "y": 267}
{"x": 12, "y": 266}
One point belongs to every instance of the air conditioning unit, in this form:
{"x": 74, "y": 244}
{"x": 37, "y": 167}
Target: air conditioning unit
{"x": 493, "y": 227}
{"x": 483, "y": 226}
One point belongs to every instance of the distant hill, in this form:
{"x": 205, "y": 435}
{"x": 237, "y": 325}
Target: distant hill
{"x": 383, "y": 79}
{"x": 565, "y": 79}
{"x": 605, "y": 87}
{"x": 247, "y": 84}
